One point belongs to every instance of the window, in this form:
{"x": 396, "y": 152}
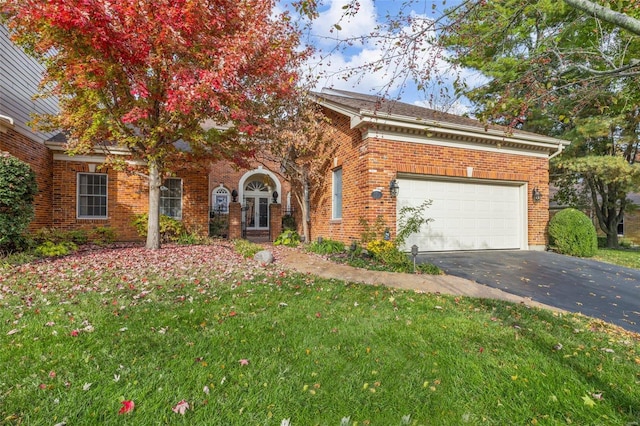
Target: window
{"x": 171, "y": 198}
{"x": 337, "y": 194}
{"x": 221, "y": 201}
{"x": 92, "y": 196}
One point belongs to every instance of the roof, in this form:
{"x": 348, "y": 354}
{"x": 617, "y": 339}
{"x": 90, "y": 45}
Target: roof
{"x": 367, "y": 111}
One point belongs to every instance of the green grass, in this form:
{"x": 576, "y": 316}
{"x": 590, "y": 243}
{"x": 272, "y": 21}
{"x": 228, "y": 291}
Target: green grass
{"x": 157, "y": 328}
{"x": 623, "y": 257}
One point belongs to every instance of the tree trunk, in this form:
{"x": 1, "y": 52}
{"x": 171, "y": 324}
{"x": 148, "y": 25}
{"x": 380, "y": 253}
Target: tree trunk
{"x": 304, "y": 210}
{"x": 612, "y": 239}
{"x": 153, "y": 227}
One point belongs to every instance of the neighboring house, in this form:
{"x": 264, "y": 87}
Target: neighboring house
{"x": 481, "y": 179}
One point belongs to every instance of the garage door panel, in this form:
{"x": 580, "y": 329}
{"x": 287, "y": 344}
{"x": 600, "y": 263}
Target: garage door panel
{"x": 467, "y": 215}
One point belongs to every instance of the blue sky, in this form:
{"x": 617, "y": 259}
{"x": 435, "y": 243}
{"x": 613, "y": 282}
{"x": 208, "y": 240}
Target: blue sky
{"x": 372, "y": 13}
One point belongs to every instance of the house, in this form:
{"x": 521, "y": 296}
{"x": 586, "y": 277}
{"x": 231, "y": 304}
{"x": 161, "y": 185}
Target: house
{"x": 488, "y": 185}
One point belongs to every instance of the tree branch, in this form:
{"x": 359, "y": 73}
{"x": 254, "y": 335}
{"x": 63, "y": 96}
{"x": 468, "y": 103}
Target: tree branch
{"x": 604, "y": 13}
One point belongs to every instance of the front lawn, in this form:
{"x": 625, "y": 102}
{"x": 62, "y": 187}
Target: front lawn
{"x": 623, "y": 257}
{"x": 199, "y": 336}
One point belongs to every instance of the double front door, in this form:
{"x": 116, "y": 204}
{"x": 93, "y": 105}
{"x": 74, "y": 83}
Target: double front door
{"x": 257, "y": 213}
{"x": 256, "y": 199}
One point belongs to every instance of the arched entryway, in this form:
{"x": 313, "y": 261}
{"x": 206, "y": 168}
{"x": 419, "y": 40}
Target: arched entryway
{"x": 257, "y": 190}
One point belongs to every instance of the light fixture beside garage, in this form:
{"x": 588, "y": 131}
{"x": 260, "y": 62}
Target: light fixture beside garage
{"x": 536, "y": 195}
{"x": 394, "y": 188}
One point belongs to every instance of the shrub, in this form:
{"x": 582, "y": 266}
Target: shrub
{"x": 17, "y": 190}
{"x": 103, "y": 235}
{"x": 56, "y": 236}
{"x": 572, "y": 233}
{"x": 326, "y": 247}
{"x": 51, "y": 249}
{"x": 170, "y": 228}
{"x": 288, "y": 222}
{"x": 378, "y": 247}
{"x": 410, "y": 220}
{"x": 246, "y": 248}
{"x": 289, "y": 238}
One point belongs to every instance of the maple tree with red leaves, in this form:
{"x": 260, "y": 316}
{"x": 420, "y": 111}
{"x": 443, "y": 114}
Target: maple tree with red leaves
{"x": 145, "y": 74}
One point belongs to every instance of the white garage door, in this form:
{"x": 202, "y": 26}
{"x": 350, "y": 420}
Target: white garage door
{"x": 466, "y": 215}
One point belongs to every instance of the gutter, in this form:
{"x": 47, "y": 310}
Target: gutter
{"x": 7, "y": 118}
{"x": 558, "y": 152}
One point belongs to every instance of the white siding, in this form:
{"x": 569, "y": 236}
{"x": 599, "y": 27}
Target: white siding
{"x": 19, "y": 79}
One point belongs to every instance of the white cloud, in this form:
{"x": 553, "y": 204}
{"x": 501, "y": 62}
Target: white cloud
{"x": 351, "y": 26}
{"x": 331, "y": 65}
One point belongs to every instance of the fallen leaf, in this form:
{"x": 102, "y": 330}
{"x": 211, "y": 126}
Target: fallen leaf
{"x": 181, "y": 407}
{"x": 86, "y": 386}
{"x": 588, "y": 401}
{"x": 244, "y": 362}
{"x": 127, "y": 407}
{"x": 14, "y": 331}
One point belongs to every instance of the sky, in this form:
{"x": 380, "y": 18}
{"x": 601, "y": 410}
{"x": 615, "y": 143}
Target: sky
{"x": 330, "y": 65}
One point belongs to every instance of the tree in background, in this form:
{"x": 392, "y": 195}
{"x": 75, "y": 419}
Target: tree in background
{"x": 144, "y": 74}
{"x": 302, "y": 144}
{"x": 556, "y": 70}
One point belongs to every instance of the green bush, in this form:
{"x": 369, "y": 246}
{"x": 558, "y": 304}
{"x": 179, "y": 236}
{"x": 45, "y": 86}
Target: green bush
{"x": 572, "y": 232}
{"x": 56, "y": 236}
{"x": 288, "y": 222}
{"x": 17, "y": 190}
{"x": 51, "y": 249}
{"x": 326, "y": 247}
{"x": 103, "y": 235}
{"x": 170, "y": 228}
{"x": 289, "y": 238}
{"x": 246, "y": 248}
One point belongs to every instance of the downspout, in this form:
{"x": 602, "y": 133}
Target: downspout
{"x": 558, "y": 152}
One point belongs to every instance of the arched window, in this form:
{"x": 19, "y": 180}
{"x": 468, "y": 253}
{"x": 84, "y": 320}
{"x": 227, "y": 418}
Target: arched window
{"x": 220, "y": 198}
{"x": 256, "y": 186}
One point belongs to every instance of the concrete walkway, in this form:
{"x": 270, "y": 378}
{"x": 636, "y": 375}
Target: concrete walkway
{"x": 309, "y": 263}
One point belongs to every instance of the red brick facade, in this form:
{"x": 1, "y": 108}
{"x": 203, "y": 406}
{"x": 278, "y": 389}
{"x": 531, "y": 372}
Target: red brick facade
{"x": 367, "y": 163}
{"x": 372, "y": 163}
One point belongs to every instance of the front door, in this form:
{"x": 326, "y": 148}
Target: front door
{"x": 256, "y": 198}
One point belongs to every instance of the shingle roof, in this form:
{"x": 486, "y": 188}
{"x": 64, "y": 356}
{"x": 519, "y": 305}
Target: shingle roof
{"x": 362, "y": 102}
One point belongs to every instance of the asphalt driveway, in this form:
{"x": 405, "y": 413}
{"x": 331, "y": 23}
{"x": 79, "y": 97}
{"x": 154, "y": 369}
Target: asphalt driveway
{"x": 593, "y": 288}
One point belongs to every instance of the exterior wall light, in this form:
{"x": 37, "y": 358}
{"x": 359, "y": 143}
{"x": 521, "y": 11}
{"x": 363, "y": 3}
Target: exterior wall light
{"x": 394, "y": 188}
{"x": 536, "y": 195}
{"x": 234, "y": 195}
{"x": 275, "y": 197}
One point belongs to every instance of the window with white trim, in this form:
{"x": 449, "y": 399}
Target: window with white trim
{"x": 171, "y": 198}
{"x": 336, "y": 210}
{"x": 92, "y": 196}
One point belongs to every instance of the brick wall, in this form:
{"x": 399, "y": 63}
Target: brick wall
{"x": 128, "y": 196}
{"x": 372, "y": 163}
{"x": 40, "y": 159}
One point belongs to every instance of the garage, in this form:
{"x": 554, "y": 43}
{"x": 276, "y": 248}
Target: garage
{"x": 467, "y": 214}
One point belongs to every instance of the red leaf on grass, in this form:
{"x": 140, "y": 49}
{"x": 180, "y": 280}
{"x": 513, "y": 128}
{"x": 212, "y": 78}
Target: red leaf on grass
{"x": 127, "y": 406}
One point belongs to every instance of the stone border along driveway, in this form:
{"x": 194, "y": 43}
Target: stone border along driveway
{"x": 309, "y": 263}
